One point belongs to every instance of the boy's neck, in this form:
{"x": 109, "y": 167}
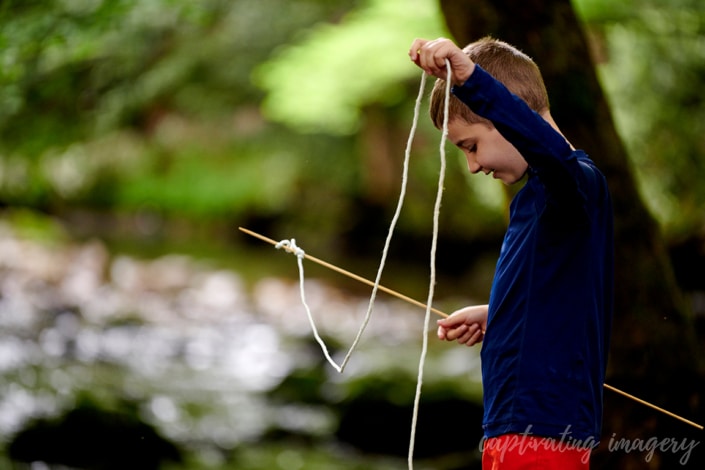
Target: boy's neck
{"x": 546, "y": 115}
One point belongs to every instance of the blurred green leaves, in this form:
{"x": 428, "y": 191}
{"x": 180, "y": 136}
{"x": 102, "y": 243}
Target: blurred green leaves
{"x": 121, "y": 104}
{"x": 653, "y": 71}
{"x": 221, "y": 108}
{"x": 322, "y": 82}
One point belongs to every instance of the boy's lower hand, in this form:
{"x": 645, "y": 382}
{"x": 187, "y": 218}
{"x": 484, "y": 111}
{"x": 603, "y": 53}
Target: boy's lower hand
{"x": 466, "y": 326}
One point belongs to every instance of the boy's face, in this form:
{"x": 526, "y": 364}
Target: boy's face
{"x": 487, "y": 151}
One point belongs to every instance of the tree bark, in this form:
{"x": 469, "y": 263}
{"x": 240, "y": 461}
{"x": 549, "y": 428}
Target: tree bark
{"x": 653, "y": 350}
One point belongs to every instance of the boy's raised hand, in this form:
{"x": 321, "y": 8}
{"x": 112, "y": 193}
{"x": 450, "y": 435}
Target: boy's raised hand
{"x": 431, "y": 55}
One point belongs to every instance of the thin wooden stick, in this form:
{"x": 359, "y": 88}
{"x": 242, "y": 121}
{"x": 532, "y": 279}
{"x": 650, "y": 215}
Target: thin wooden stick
{"x": 346, "y": 273}
{"x": 442, "y": 314}
{"x": 646, "y": 403}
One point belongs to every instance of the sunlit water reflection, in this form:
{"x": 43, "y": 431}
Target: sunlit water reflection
{"x": 188, "y": 341}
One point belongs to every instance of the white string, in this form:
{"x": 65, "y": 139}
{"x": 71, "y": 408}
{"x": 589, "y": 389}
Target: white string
{"x": 432, "y": 282}
{"x": 395, "y": 218}
{"x": 291, "y": 246}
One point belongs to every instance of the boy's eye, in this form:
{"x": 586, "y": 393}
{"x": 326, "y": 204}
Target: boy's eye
{"x": 471, "y": 148}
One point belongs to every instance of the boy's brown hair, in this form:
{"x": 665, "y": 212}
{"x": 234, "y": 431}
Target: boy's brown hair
{"x": 516, "y": 70}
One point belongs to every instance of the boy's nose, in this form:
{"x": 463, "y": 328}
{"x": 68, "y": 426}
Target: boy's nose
{"x": 473, "y": 166}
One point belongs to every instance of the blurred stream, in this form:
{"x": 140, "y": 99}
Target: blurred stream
{"x": 195, "y": 347}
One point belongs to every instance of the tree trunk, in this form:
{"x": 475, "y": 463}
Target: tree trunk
{"x": 653, "y": 351}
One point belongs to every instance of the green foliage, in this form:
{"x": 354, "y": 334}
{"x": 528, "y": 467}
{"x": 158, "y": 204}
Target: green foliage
{"x": 322, "y": 82}
{"x": 89, "y": 66}
{"x": 604, "y": 11}
{"x": 89, "y": 90}
{"x": 653, "y": 73}
{"x": 66, "y": 61}
{"x": 113, "y": 111}
{"x": 127, "y": 104}
{"x": 31, "y": 226}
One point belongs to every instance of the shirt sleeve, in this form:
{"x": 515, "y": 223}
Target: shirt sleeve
{"x": 547, "y": 152}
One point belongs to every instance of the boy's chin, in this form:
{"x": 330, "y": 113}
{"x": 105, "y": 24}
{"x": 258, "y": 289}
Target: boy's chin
{"x": 509, "y": 181}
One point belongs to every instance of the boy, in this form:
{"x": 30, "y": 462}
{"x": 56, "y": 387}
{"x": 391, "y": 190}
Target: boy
{"x": 545, "y": 332}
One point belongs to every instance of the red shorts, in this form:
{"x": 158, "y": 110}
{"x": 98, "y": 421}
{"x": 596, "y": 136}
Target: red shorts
{"x": 527, "y": 452}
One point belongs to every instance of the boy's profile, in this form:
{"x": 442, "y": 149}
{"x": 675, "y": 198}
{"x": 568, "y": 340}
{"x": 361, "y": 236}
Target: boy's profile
{"x": 545, "y": 332}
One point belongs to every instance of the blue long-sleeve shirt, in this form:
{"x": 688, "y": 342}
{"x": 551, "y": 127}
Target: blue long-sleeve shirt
{"x": 545, "y": 350}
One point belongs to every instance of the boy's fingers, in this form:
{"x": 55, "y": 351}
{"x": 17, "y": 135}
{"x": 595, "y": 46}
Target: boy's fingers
{"x": 476, "y": 338}
{"x": 456, "y": 333}
{"x": 415, "y": 49}
{"x": 465, "y": 338}
{"x": 451, "y": 321}
{"x": 441, "y": 333}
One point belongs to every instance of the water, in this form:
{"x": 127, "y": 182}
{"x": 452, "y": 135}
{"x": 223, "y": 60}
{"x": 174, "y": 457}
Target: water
{"x": 195, "y": 347}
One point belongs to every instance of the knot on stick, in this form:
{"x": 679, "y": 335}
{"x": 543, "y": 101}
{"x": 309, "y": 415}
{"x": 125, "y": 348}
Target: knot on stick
{"x": 290, "y": 246}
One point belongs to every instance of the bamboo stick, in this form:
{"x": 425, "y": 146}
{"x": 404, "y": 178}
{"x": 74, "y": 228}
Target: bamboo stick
{"x": 347, "y": 273}
{"x": 650, "y": 405}
{"x": 442, "y": 314}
